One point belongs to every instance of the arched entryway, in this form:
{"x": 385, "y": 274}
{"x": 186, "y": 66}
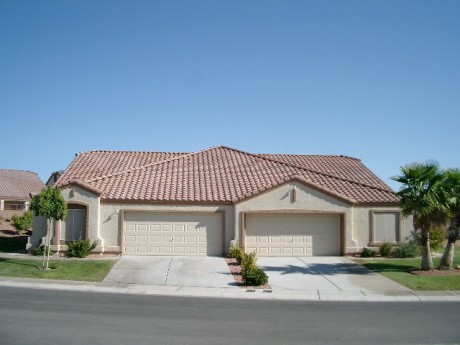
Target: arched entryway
{"x": 73, "y": 228}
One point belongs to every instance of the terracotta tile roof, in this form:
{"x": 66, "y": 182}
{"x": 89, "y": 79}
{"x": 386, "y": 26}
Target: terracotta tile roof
{"x": 219, "y": 174}
{"x": 17, "y": 184}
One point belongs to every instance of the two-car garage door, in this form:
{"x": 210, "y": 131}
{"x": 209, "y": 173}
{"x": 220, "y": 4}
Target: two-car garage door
{"x": 293, "y": 234}
{"x": 151, "y": 233}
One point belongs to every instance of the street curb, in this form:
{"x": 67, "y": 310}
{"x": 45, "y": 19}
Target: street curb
{"x": 232, "y": 293}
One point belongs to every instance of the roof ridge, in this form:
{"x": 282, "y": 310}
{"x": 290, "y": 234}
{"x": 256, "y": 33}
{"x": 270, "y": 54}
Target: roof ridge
{"x": 21, "y": 170}
{"x": 147, "y": 165}
{"x": 303, "y": 155}
{"x": 128, "y": 151}
{"x": 324, "y": 174}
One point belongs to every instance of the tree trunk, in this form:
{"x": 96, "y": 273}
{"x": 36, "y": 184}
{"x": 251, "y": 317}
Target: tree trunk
{"x": 448, "y": 256}
{"x": 48, "y": 251}
{"x": 45, "y": 251}
{"x": 427, "y": 261}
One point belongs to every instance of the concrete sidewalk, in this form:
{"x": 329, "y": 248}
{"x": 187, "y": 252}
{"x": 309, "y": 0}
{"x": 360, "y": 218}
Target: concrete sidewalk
{"x": 330, "y": 283}
{"x": 183, "y": 291}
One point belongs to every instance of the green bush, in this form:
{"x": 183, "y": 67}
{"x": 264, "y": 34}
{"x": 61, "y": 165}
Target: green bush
{"x": 248, "y": 261}
{"x": 254, "y": 276}
{"x": 367, "y": 253}
{"x": 236, "y": 252}
{"x": 437, "y": 238}
{"x": 385, "y": 249}
{"x": 80, "y": 248}
{"x": 406, "y": 250}
{"x": 40, "y": 250}
{"x": 22, "y": 223}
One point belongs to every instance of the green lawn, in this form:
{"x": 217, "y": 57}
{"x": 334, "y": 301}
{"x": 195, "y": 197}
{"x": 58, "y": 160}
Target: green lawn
{"x": 398, "y": 270}
{"x": 13, "y": 244}
{"x": 81, "y": 270}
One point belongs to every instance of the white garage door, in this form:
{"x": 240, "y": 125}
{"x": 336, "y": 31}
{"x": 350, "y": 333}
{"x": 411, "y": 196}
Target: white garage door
{"x": 147, "y": 233}
{"x": 293, "y": 235}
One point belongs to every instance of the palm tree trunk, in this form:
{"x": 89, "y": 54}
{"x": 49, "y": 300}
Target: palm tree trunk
{"x": 448, "y": 256}
{"x": 427, "y": 261}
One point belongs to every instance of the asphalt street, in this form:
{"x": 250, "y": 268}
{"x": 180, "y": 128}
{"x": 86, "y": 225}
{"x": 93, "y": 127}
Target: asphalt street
{"x": 33, "y": 316}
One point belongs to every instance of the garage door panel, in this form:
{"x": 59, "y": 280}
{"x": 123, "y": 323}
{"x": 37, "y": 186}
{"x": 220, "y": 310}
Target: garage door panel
{"x": 154, "y": 227}
{"x": 192, "y": 239}
{"x": 149, "y": 233}
{"x": 293, "y": 235}
{"x": 154, "y": 251}
{"x": 154, "y": 239}
{"x": 286, "y": 251}
{"x": 130, "y": 227}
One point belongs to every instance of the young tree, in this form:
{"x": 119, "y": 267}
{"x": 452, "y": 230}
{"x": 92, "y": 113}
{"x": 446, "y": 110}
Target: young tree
{"x": 452, "y": 185}
{"x": 50, "y": 204}
{"x": 422, "y": 195}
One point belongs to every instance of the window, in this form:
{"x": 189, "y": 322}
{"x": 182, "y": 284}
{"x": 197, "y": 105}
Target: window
{"x": 385, "y": 227}
{"x": 14, "y": 205}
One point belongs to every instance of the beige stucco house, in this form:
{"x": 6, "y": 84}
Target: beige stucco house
{"x": 165, "y": 203}
{"x": 15, "y": 189}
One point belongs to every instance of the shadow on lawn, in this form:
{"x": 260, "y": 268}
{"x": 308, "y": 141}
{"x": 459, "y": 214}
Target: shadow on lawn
{"x": 385, "y": 267}
{"x": 21, "y": 263}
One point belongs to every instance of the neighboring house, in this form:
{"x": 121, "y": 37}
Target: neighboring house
{"x": 15, "y": 189}
{"x": 53, "y": 178}
{"x": 164, "y": 203}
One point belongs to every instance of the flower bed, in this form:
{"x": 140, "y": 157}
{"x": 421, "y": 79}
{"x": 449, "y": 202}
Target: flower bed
{"x": 235, "y": 270}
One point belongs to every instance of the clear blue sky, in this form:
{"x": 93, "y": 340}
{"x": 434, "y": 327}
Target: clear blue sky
{"x": 376, "y": 80}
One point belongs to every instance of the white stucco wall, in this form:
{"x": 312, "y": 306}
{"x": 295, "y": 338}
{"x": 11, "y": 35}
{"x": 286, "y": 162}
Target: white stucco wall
{"x": 362, "y": 222}
{"x": 104, "y": 223}
{"x": 77, "y": 195}
{"x": 38, "y": 230}
{"x": 110, "y": 223}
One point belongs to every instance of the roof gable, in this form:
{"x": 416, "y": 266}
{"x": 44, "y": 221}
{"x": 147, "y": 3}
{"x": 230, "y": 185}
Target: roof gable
{"x": 220, "y": 174}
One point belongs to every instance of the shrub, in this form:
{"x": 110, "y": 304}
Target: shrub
{"x": 406, "y": 250}
{"x": 385, "y": 249}
{"x": 437, "y": 238}
{"x": 80, "y": 248}
{"x": 236, "y": 252}
{"x": 254, "y": 276}
{"x": 39, "y": 251}
{"x": 248, "y": 261}
{"x": 367, "y": 253}
{"x": 22, "y": 223}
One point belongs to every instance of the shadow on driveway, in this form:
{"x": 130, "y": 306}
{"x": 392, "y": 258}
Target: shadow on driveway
{"x": 317, "y": 269}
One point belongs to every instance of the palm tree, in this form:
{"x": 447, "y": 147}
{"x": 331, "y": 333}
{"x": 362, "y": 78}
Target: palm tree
{"x": 422, "y": 196}
{"x": 452, "y": 184}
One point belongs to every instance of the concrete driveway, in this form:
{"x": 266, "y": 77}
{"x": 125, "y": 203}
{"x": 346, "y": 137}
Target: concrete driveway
{"x": 330, "y": 275}
{"x": 209, "y": 272}
{"x": 327, "y": 274}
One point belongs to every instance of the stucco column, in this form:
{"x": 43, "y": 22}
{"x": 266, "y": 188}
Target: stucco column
{"x": 2, "y": 205}
{"x": 57, "y": 233}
